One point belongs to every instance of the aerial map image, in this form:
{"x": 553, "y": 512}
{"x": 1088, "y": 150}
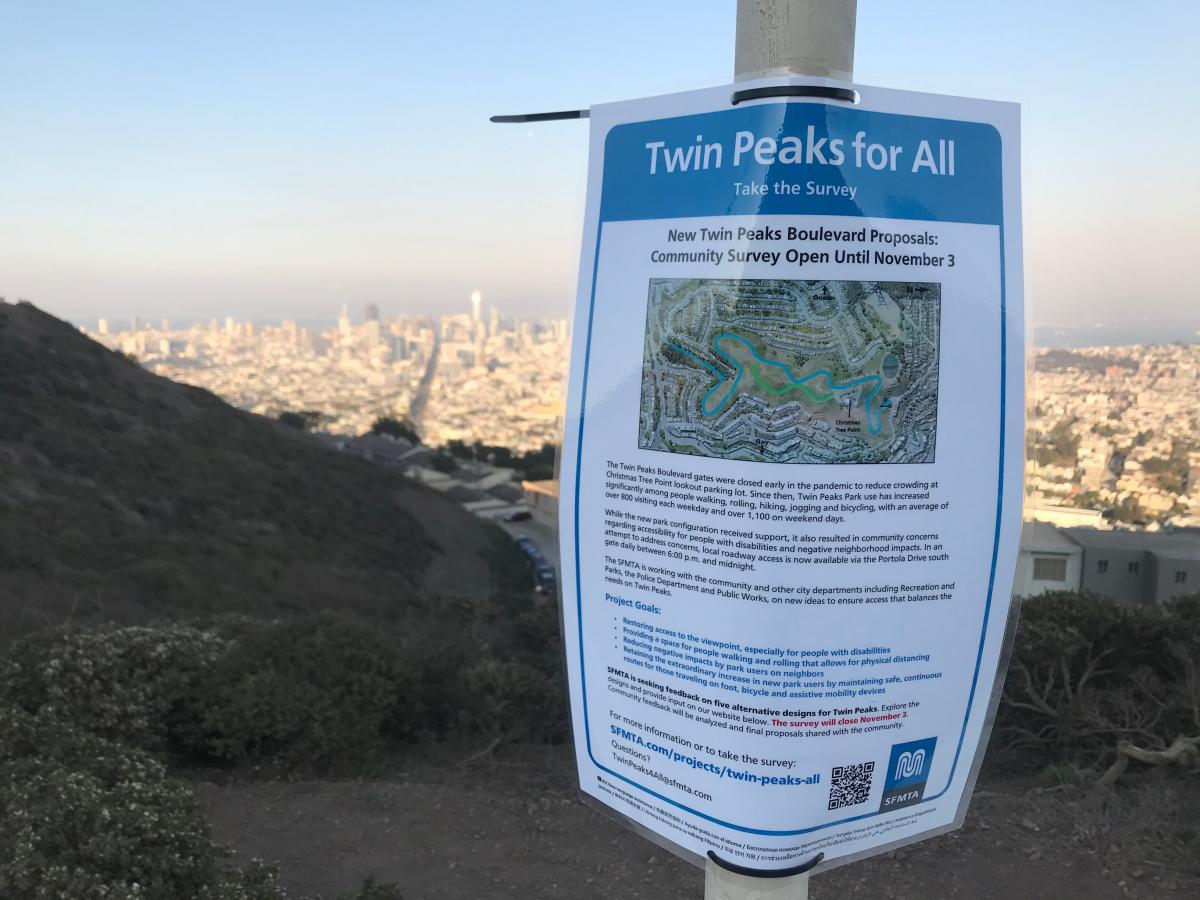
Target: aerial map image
{"x": 787, "y": 371}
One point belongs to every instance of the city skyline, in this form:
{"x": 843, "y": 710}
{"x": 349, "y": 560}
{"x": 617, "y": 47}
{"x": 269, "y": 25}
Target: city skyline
{"x": 1076, "y": 336}
{"x": 172, "y": 161}
{"x": 465, "y": 376}
{"x": 1111, "y": 428}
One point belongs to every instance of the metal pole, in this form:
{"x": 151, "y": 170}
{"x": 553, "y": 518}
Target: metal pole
{"x": 785, "y": 37}
{"x": 795, "y": 37}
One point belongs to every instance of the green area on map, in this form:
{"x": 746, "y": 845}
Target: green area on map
{"x": 789, "y": 371}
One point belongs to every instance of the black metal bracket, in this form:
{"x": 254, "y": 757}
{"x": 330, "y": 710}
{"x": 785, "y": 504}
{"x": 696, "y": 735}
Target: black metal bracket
{"x": 542, "y": 117}
{"x": 766, "y": 873}
{"x": 825, "y": 92}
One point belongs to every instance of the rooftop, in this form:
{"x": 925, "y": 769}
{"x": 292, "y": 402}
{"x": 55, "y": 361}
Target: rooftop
{"x": 1155, "y": 542}
{"x": 1041, "y": 536}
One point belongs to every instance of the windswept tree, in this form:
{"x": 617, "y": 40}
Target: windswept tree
{"x": 304, "y": 420}
{"x": 401, "y": 428}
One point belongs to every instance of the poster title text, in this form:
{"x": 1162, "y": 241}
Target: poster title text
{"x": 930, "y": 157}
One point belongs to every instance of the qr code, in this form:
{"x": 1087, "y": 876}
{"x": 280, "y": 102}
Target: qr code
{"x": 850, "y": 785}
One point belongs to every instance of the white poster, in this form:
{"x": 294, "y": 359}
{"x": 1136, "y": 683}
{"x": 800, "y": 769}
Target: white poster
{"x": 792, "y": 466}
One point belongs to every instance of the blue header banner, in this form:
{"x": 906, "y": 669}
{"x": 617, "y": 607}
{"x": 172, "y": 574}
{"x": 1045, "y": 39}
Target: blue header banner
{"x": 803, "y": 159}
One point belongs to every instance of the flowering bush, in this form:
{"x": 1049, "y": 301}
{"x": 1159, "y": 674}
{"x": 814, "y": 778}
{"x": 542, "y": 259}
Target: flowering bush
{"x": 123, "y": 683}
{"x": 83, "y": 817}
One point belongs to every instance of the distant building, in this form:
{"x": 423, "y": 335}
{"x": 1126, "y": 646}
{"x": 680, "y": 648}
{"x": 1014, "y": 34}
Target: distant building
{"x": 372, "y": 313}
{"x": 1048, "y": 561}
{"x": 542, "y": 497}
{"x": 1138, "y": 566}
{"x": 384, "y": 449}
{"x": 1064, "y": 516}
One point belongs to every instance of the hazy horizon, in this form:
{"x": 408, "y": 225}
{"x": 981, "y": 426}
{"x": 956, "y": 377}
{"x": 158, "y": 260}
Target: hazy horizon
{"x": 1042, "y": 336}
{"x": 274, "y": 162}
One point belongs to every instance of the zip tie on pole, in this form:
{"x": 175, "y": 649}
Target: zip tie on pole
{"x": 542, "y": 117}
{"x": 766, "y": 873}
{"x": 826, "y": 92}
{"x": 795, "y": 90}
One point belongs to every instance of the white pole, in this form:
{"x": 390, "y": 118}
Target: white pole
{"x": 795, "y": 37}
{"x": 785, "y": 37}
{"x": 721, "y": 884}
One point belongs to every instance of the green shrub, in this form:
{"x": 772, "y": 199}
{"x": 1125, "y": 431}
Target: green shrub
{"x": 83, "y": 817}
{"x": 510, "y": 700}
{"x": 123, "y": 683}
{"x": 314, "y": 693}
{"x": 373, "y": 890}
{"x": 439, "y": 690}
{"x": 492, "y": 667}
{"x": 401, "y": 428}
{"x": 310, "y": 694}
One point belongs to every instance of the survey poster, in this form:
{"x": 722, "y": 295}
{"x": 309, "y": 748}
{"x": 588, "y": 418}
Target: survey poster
{"x": 791, "y": 477}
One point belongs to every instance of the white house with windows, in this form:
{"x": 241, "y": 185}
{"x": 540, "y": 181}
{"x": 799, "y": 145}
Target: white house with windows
{"x": 1049, "y": 561}
{"x": 1138, "y": 566}
{"x": 1130, "y": 566}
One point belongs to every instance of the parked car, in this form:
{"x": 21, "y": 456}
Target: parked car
{"x": 521, "y": 515}
{"x": 545, "y": 579}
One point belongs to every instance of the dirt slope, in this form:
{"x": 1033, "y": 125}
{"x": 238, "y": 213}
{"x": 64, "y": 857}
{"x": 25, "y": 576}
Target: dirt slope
{"x": 517, "y": 830}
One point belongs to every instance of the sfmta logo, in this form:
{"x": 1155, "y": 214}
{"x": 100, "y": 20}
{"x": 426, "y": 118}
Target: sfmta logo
{"x": 909, "y": 767}
{"x": 909, "y": 764}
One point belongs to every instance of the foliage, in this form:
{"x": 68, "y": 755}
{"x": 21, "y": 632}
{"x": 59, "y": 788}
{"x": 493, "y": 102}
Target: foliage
{"x": 304, "y": 420}
{"x": 492, "y": 668}
{"x": 83, "y": 817}
{"x": 443, "y": 462}
{"x": 373, "y": 890}
{"x": 1170, "y": 474}
{"x": 313, "y": 693}
{"x": 1058, "y": 447}
{"x": 126, "y": 684}
{"x": 512, "y": 700}
{"x": 1089, "y": 674}
{"x": 1089, "y": 500}
{"x": 401, "y": 428}
{"x": 538, "y": 465}
{"x": 1129, "y": 511}
{"x": 532, "y": 465}
{"x": 459, "y": 449}
{"x": 310, "y": 694}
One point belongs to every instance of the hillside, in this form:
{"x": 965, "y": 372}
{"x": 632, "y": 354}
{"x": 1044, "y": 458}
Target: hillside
{"x": 125, "y": 495}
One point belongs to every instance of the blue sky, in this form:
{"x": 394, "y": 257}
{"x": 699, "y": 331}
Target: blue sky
{"x": 193, "y": 160}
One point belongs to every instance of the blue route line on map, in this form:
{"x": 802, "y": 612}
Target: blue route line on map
{"x": 874, "y": 427}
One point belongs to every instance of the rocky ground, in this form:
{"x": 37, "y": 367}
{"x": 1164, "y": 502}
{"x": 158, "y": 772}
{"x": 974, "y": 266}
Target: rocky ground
{"x": 515, "y": 828}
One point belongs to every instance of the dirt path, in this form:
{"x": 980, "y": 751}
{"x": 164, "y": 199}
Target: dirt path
{"x": 516, "y": 830}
